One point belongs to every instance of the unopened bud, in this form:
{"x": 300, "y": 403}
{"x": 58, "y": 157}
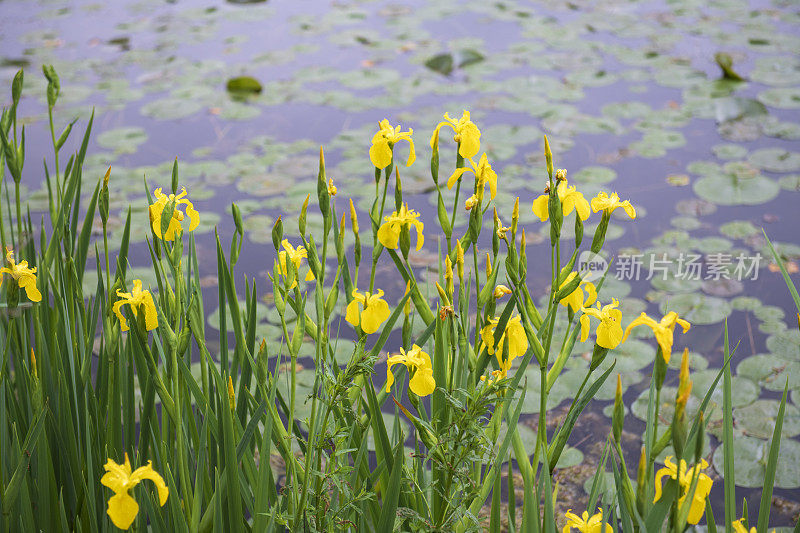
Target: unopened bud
{"x": 277, "y": 234}
{"x": 448, "y": 274}
{"x": 488, "y": 265}
{"x": 561, "y": 174}
{"x": 398, "y": 189}
{"x": 302, "y": 221}
{"x": 515, "y": 217}
{"x": 523, "y": 257}
{"x": 353, "y": 217}
{"x": 548, "y": 156}
{"x": 460, "y": 260}
{"x": 33, "y": 365}
{"x": 618, "y": 416}
{"x": 471, "y": 202}
{"x": 231, "y": 394}
{"x": 331, "y": 187}
{"x": 442, "y": 295}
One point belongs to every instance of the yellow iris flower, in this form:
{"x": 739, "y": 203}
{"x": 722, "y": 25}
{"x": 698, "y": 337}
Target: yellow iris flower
{"x": 517, "y": 341}
{"x": 575, "y": 299}
{"x": 466, "y": 133}
{"x": 501, "y": 290}
{"x": 389, "y": 232}
{"x": 23, "y": 275}
{"x": 570, "y": 199}
{"x": 739, "y": 528}
{"x": 296, "y": 256}
{"x": 609, "y": 331}
{"x": 122, "y": 508}
{"x": 418, "y": 364}
{"x": 174, "y": 227}
{"x": 585, "y": 523}
{"x": 380, "y": 153}
{"x": 375, "y": 311}
{"x": 604, "y": 202}
{"x": 483, "y": 175}
{"x": 663, "y": 330}
{"x": 136, "y": 298}
{"x": 684, "y": 478}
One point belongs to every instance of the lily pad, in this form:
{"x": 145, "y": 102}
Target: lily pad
{"x": 783, "y": 97}
{"x": 750, "y": 459}
{"x": 729, "y": 151}
{"x": 698, "y": 309}
{"x": 244, "y": 85}
{"x": 790, "y": 183}
{"x": 123, "y": 140}
{"x": 729, "y": 189}
{"x": 785, "y": 344}
{"x": 441, "y": 63}
{"x": 746, "y": 390}
{"x": 738, "y": 229}
{"x": 775, "y": 160}
{"x": 171, "y": 108}
{"x": 736, "y": 108}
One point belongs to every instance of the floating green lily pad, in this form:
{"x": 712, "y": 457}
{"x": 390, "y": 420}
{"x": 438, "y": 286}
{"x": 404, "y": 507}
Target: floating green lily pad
{"x": 123, "y": 140}
{"x": 790, "y": 183}
{"x": 738, "y": 229}
{"x": 729, "y": 151}
{"x": 750, "y": 459}
{"x": 243, "y": 85}
{"x": 746, "y": 390}
{"x": 728, "y": 189}
{"x": 171, "y": 108}
{"x": 775, "y": 160}
{"x": 697, "y": 308}
{"x": 758, "y": 419}
{"x": 784, "y": 97}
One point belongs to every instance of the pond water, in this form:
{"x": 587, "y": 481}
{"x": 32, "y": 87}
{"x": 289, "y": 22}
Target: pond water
{"x": 629, "y": 94}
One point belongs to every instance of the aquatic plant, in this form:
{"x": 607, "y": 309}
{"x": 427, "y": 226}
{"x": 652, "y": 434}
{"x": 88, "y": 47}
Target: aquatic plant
{"x": 224, "y": 426}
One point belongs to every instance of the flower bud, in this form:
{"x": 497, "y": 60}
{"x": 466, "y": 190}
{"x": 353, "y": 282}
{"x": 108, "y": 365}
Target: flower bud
{"x": 442, "y": 295}
{"x": 561, "y": 174}
{"x": 277, "y": 234}
{"x": 435, "y": 158}
{"x": 332, "y": 190}
{"x": 301, "y": 224}
{"x": 471, "y": 202}
{"x": 103, "y": 200}
{"x": 398, "y": 189}
{"x": 515, "y": 219}
{"x": 322, "y": 187}
{"x": 262, "y": 360}
{"x": 407, "y": 305}
{"x": 556, "y": 216}
{"x": 448, "y": 275}
{"x": 523, "y": 257}
{"x": 548, "y": 156}
{"x": 231, "y": 394}
{"x": 237, "y": 218}
{"x": 618, "y": 417}
{"x": 679, "y": 429}
{"x": 33, "y": 365}
{"x": 600, "y": 233}
{"x": 488, "y": 265}
{"x": 175, "y": 177}
{"x": 444, "y": 219}
{"x": 460, "y": 260}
